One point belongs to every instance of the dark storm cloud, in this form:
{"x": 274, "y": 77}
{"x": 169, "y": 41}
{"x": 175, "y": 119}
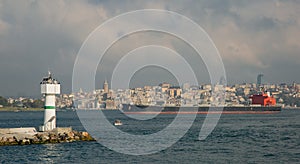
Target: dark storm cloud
{"x": 252, "y": 37}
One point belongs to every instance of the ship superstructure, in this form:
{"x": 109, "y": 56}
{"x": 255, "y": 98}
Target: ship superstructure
{"x": 263, "y": 99}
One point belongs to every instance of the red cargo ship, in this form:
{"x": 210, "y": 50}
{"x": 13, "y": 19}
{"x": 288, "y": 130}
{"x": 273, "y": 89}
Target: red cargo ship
{"x": 261, "y": 104}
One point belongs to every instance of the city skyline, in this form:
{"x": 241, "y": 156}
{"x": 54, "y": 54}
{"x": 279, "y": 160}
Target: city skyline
{"x": 37, "y": 36}
{"x": 188, "y": 95}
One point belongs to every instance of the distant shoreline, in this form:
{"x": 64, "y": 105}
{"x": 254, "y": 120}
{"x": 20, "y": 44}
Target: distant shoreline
{"x": 291, "y": 108}
{"x": 16, "y": 109}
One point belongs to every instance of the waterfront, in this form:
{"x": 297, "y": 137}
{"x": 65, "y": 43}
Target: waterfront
{"x": 272, "y": 138}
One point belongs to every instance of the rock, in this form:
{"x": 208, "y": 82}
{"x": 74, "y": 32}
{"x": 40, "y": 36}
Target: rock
{"x": 45, "y": 137}
{"x": 77, "y": 138}
{"x": 85, "y": 134}
{"x": 62, "y": 137}
{"x": 3, "y": 139}
{"x": 25, "y": 141}
{"x": 71, "y": 134}
{"x": 11, "y": 141}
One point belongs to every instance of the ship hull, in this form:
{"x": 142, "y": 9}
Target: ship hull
{"x": 132, "y": 109}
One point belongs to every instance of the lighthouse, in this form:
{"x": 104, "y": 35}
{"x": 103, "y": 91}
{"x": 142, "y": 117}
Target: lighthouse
{"x": 49, "y": 88}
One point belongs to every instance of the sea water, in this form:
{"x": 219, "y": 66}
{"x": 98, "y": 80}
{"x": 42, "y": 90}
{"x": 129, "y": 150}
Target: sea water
{"x": 251, "y": 138}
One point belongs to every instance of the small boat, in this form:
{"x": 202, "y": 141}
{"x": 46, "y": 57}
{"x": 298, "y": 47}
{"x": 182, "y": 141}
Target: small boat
{"x": 118, "y": 123}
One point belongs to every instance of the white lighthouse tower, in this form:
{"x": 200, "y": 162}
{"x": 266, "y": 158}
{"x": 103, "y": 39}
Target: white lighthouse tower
{"x": 49, "y": 87}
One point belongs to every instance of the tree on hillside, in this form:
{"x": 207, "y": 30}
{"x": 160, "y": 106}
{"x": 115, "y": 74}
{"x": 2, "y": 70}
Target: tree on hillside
{"x": 3, "y": 101}
{"x": 37, "y": 104}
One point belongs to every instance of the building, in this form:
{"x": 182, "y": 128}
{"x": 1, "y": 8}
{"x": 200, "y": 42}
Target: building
{"x": 110, "y": 104}
{"x": 164, "y": 87}
{"x": 259, "y": 80}
{"x": 105, "y": 86}
{"x": 174, "y": 92}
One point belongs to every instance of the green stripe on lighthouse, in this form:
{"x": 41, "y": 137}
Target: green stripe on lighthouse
{"x": 49, "y": 107}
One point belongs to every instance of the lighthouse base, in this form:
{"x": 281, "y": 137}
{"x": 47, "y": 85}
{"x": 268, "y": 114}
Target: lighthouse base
{"x": 42, "y": 128}
{"x": 49, "y": 125}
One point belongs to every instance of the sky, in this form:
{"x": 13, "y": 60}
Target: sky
{"x": 252, "y": 37}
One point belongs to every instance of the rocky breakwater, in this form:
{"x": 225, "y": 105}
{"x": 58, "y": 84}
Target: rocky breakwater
{"x": 26, "y": 136}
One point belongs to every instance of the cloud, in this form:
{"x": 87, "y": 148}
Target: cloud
{"x": 37, "y": 36}
{"x": 260, "y": 36}
{"x": 257, "y": 34}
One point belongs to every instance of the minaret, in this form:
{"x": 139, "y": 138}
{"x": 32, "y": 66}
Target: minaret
{"x": 49, "y": 87}
{"x": 105, "y": 86}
